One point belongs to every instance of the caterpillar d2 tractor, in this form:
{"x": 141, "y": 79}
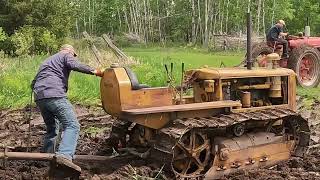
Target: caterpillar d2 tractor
{"x": 236, "y": 118}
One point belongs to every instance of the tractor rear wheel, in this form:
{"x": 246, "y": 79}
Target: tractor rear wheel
{"x": 259, "y": 52}
{"x": 305, "y": 61}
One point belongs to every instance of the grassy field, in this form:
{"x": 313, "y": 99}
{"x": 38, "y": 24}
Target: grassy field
{"x": 17, "y": 74}
{"x": 15, "y": 80}
{"x": 151, "y": 68}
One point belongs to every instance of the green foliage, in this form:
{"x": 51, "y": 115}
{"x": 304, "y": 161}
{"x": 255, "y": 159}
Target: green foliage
{"x": 36, "y": 26}
{"x": 23, "y": 40}
{"x": 55, "y": 15}
{"x": 14, "y": 14}
{"x": 154, "y": 20}
{"x": 8, "y": 47}
{"x": 30, "y": 40}
{"x": 303, "y": 11}
{"x": 3, "y": 35}
{"x": 46, "y": 41}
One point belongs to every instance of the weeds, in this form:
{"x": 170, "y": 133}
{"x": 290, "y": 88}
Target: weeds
{"x": 94, "y": 131}
{"x": 134, "y": 174}
{"x": 310, "y": 95}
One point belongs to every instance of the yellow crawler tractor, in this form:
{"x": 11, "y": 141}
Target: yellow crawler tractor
{"x": 236, "y": 118}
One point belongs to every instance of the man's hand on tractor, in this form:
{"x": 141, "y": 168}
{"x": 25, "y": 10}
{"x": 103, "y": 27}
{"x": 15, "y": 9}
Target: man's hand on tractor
{"x": 98, "y": 72}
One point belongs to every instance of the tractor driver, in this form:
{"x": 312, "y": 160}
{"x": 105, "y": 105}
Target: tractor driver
{"x": 275, "y": 35}
{"x": 50, "y": 87}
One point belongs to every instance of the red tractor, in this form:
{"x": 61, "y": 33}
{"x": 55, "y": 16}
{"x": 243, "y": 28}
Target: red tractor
{"x": 304, "y": 58}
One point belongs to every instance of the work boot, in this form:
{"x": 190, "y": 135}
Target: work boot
{"x": 62, "y": 167}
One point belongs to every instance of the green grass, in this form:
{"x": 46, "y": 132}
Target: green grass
{"x": 151, "y": 69}
{"x": 193, "y": 58}
{"x": 15, "y": 80}
{"x": 309, "y": 95}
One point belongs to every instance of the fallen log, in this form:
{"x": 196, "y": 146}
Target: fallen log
{"x": 93, "y": 47}
{"x": 120, "y": 54}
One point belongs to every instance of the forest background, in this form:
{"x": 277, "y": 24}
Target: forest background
{"x": 40, "y": 26}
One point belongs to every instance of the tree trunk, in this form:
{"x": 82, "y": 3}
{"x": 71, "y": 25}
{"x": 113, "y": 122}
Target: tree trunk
{"x": 238, "y": 23}
{"x": 144, "y": 24}
{"x": 258, "y": 18}
{"x": 139, "y": 19}
{"x": 159, "y": 22}
{"x": 150, "y": 20}
{"x": 222, "y": 18}
{"x": 77, "y": 28}
{"x": 263, "y": 18}
{"x": 93, "y": 16}
{"x": 126, "y": 18}
{"x": 211, "y": 15}
{"x": 273, "y": 7}
{"x": 199, "y": 21}
{"x": 89, "y": 16}
{"x": 132, "y": 17}
{"x": 206, "y": 32}
{"x": 119, "y": 17}
{"x": 193, "y": 21}
{"x": 216, "y": 17}
{"x": 227, "y": 17}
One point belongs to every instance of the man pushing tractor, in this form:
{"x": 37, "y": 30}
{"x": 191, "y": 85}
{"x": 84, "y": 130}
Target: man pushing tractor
{"x": 50, "y": 87}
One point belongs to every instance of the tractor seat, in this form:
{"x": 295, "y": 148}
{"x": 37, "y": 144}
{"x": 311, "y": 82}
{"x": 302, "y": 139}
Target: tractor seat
{"x": 274, "y": 45}
{"x": 135, "y": 85}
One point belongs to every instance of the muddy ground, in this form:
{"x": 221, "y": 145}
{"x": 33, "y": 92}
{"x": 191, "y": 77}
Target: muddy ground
{"x": 95, "y": 129}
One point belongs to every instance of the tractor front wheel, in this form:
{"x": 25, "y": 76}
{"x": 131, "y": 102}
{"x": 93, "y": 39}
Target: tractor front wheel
{"x": 305, "y": 61}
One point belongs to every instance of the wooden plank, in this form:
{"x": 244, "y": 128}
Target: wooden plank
{"x": 94, "y": 49}
{"x": 183, "y": 107}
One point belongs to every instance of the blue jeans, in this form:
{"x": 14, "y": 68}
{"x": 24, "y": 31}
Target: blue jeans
{"x": 57, "y": 111}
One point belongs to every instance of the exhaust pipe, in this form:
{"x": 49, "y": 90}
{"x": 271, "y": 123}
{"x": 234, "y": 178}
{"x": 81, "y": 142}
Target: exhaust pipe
{"x": 249, "y": 29}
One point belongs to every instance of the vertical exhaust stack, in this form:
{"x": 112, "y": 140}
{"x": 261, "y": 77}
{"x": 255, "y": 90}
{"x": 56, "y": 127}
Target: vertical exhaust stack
{"x": 307, "y": 31}
{"x": 249, "y": 30}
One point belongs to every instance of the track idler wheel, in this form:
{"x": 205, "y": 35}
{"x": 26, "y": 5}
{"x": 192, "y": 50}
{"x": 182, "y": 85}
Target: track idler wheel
{"x": 191, "y": 154}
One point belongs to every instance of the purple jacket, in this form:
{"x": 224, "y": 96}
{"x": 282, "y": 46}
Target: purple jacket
{"x": 51, "y": 80}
